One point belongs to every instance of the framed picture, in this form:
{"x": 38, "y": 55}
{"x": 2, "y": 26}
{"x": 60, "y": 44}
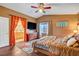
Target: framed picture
{"x": 62, "y": 24}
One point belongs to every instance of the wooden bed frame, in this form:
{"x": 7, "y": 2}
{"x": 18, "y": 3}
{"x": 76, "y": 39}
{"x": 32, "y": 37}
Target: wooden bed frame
{"x": 35, "y": 50}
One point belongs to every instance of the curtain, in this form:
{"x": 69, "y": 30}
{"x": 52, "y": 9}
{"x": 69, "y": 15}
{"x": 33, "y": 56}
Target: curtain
{"x": 23, "y": 20}
{"x": 13, "y": 24}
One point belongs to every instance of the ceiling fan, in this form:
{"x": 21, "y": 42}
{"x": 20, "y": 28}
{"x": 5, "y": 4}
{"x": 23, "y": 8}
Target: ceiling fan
{"x": 41, "y": 8}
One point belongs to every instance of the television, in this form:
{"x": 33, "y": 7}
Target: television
{"x": 31, "y": 26}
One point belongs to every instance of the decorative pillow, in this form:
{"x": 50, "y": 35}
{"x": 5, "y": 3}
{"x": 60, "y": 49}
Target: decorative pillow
{"x": 77, "y": 37}
{"x": 71, "y": 41}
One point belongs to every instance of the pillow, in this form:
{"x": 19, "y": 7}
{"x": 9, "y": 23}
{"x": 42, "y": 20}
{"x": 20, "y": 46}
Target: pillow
{"x": 66, "y": 38}
{"x": 71, "y": 41}
{"x": 77, "y": 37}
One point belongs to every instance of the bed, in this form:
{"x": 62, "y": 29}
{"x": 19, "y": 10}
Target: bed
{"x": 53, "y": 46}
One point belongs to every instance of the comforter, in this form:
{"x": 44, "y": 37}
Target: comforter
{"x": 57, "y": 47}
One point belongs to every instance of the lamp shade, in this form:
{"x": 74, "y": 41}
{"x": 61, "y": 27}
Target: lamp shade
{"x": 75, "y": 31}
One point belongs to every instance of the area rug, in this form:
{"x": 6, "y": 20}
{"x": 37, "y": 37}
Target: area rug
{"x": 26, "y": 46}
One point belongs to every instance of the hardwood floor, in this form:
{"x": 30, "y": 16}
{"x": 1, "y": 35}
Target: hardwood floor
{"x": 6, "y": 51}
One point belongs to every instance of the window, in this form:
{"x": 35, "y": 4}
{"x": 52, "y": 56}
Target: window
{"x": 43, "y": 29}
{"x": 4, "y": 31}
{"x": 19, "y": 27}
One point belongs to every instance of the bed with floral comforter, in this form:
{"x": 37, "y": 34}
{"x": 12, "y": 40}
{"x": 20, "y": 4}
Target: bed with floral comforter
{"x": 55, "y": 46}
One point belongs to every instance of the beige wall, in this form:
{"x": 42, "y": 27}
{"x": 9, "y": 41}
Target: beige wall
{"x": 5, "y": 12}
{"x": 53, "y": 19}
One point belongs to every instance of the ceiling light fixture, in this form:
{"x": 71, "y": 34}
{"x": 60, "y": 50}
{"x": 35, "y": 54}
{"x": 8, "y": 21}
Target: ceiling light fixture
{"x": 41, "y": 8}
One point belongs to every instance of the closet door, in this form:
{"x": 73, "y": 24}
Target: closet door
{"x": 4, "y": 31}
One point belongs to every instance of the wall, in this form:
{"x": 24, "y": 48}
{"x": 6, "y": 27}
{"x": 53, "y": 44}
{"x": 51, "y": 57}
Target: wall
{"x": 5, "y": 12}
{"x": 72, "y": 19}
{"x": 53, "y": 19}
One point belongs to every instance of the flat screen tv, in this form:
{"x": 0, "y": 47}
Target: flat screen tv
{"x": 31, "y": 26}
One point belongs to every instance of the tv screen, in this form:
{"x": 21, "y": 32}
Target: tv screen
{"x": 31, "y": 25}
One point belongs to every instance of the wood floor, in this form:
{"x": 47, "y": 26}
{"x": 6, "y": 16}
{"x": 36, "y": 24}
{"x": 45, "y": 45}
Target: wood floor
{"x": 6, "y": 51}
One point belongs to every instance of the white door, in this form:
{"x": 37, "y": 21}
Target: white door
{"x": 4, "y": 31}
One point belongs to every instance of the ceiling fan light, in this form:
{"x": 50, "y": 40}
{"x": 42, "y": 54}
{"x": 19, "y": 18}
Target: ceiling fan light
{"x": 40, "y": 10}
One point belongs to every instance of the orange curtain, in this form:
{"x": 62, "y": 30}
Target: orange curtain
{"x": 23, "y": 20}
{"x": 13, "y": 24}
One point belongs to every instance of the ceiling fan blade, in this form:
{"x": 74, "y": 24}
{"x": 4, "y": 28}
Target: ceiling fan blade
{"x": 36, "y": 11}
{"x": 44, "y": 11}
{"x": 47, "y": 7}
{"x": 34, "y": 7}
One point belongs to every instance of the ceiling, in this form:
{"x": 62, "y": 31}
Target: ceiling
{"x": 57, "y": 8}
